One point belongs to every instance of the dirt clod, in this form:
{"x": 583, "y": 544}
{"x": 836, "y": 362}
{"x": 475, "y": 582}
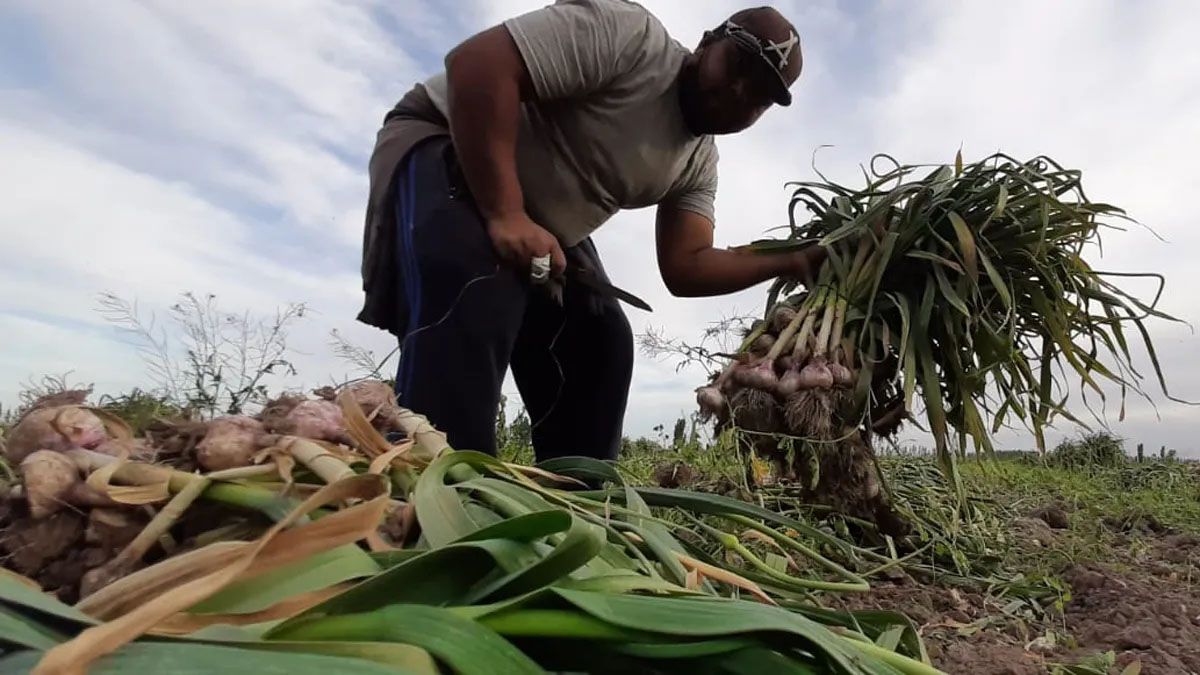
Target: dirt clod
{"x": 112, "y": 529}
{"x": 1134, "y": 522}
{"x": 31, "y": 545}
{"x": 1141, "y": 635}
{"x": 1053, "y": 515}
{"x": 1083, "y": 579}
{"x": 1034, "y": 530}
{"x": 674, "y": 474}
{"x": 174, "y": 441}
{"x": 1184, "y": 541}
{"x": 1144, "y": 617}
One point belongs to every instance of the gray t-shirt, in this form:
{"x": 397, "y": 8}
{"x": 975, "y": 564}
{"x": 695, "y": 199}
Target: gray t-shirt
{"x": 606, "y": 133}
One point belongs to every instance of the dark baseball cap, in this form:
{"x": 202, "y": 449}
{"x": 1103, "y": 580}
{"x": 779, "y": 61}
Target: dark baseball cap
{"x": 765, "y": 33}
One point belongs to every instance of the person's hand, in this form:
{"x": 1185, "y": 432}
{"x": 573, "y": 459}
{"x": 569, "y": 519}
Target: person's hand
{"x": 879, "y": 228}
{"x": 518, "y": 240}
{"x": 802, "y": 265}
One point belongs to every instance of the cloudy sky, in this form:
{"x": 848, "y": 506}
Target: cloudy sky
{"x": 155, "y": 147}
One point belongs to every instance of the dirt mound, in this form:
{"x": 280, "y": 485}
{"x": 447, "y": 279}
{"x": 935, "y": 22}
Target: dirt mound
{"x": 1145, "y": 611}
{"x": 1134, "y": 522}
{"x": 674, "y": 474}
{"x": 1145, "y": 617}
{"x": 56, "y": 551}
{"x": 1053, "y": 514}
{"x": 964, "y": 631}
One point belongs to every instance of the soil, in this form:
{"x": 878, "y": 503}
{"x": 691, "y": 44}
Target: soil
{"x": 674, "y": 474}
{"x": 1054, "y": 515}
{"x": 174, "y": 442}
{"x": 1143, "y": 607}
{"x": 52, "y": 551}
{"x": 1147, "y": 617}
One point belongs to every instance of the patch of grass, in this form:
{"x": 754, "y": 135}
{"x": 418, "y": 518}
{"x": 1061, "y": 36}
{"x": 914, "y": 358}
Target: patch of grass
{"x": 715, "y": 461}
{"x": 1096, "y": 499}
{"x": 1089, "y": 451}
{"x": 141, "y": 408}
{"x": 639, "y": 456}
{"x": 975, "y": 543}
{"x": 1168, "y": 490}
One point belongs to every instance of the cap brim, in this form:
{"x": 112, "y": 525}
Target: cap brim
{"x": 782, "y": 94}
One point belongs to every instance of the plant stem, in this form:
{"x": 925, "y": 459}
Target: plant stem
{"x": 826, "y": 323}
{"x": 329, "y": 468}
{"x": 404, "y": 480}
{"x": 754, "y": 335}
{"x": 859, "y": 583}
{"x": 800, "y": 351}
{"x": 135, "y": 550}
{"x": 792, "y": 583}
{"x": 898, "y": 661}
{"x": 839, "y": 319}
{"x": 431, "y": 442}
{"x": 899, "y": 562}
{"x": 240, "y": 472}
{"x": 784, "y": 335}
{"x": 848, "y": 351}
{"x": 863, "y": 282}
{"x": 272, "y": 505}
{"x": 856, "y": 267}
{"x": 122, "y": 563}
{"x": 784, "y": 581}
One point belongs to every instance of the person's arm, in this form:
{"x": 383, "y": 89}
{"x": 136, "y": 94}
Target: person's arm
{"x": 691, "y": 267}
{"x": 562, "y": 51}
{"x": 486, "y": 81}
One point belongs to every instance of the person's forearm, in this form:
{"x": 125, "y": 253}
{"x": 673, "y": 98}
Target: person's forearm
{"x": 485, "y": 112}
{"x": 716, "y": 271}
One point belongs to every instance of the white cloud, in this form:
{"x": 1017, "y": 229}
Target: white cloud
{"x": 55, "y": 350}
{"x": 258, "y": 102}
{"x": 221, "y": 147}
{"x": 217, "y": 149}
{"x": 143, "y": 239}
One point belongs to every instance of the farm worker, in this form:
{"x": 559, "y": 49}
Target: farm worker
{"x": 537, "y": 131}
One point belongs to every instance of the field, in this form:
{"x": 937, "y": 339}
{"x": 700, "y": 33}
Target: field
{"x": 1085, "y": 562}
{"x": 777, "y": 529}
